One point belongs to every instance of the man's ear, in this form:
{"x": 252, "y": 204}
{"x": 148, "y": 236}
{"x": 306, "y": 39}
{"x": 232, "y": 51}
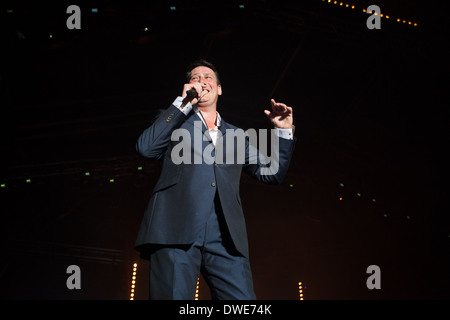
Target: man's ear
{"x": 219, "y": 90}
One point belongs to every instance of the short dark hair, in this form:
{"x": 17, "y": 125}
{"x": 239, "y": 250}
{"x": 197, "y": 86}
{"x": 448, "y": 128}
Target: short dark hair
{"x": 201, "y": 63}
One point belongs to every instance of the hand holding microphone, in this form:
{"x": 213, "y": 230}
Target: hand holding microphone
{"x": 191, "y": 93}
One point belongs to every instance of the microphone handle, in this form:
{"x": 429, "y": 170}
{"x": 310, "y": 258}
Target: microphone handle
{"x": 191, "y": 94}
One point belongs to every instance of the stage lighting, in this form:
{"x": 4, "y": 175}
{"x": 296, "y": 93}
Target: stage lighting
{"x": 87, "y": 173}
{"x": 197, "y": 289}
{"x": 3, "y": 185}
{"x": 94, "y": 10}
{"x": 140, "y": 168}
{"x": 28, "y": 181}
{"x": 133, "y": 281}
{"x": 173, "y": 8}
{"x": 111, "y": 180}
{"x": 300, "y": 290}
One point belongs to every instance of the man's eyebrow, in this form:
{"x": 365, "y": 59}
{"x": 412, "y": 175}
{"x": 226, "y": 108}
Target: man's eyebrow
{"x": 206, "y": 74}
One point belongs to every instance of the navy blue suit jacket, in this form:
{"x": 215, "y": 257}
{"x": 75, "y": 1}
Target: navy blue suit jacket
{"x": 184, "y": 193}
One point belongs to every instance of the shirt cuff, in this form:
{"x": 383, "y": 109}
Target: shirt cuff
{"x": 285, "y": 133}
{"x": 185, "y": 109}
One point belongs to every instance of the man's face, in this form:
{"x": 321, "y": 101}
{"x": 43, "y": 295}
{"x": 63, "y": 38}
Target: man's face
{"x": 207, "y": 79}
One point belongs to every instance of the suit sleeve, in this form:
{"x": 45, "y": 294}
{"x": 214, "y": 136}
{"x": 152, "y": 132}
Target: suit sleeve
{"x": 273, "y": 169}
{"x": 153, "y": 142}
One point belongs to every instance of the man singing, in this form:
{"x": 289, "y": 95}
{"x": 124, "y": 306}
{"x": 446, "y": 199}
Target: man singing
{"x": 194, "y": 220}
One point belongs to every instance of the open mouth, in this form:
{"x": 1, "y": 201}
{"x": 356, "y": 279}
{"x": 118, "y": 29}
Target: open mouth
{"x": 204, "y": 92}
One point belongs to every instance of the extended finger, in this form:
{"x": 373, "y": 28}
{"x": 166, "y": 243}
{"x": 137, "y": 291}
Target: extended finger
{"x": 272, "y": 103}
{"x": 268, "y": 113}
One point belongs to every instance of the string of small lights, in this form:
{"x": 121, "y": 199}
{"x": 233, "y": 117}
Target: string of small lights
{"x": 197, "y": 288}
{"x": 133, "y": 281}
{"x": 385, "y": 16}
{"x": 300, "y": 291}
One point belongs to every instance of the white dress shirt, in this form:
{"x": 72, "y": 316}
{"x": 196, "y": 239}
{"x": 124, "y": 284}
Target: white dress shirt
{"x": 282, "y": 133}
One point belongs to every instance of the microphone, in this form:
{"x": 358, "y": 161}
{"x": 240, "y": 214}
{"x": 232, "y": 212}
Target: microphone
{"x": 191, "y": 94}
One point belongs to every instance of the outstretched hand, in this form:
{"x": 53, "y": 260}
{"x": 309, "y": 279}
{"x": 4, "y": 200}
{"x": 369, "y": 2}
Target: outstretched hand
{"x": 281, "y": 115}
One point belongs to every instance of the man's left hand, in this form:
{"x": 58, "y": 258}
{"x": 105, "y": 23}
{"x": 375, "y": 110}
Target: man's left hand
{"x": 281, "y": 115}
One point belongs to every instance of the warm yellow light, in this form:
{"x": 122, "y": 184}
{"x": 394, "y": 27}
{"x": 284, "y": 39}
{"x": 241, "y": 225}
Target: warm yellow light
{"x": 300, "y": 290}
{"x": 353, "y": 7}
{"x": 364, "y": 10}
{"x": 409, "y": 22}
{"x": 415, "y": 24}
{"x": 197, "y": 289}
{"x": 340, "y": 198}
{"x": 398, "y": 20}
{"x": 133, "y": 281}
{"x": 387, "y": 17}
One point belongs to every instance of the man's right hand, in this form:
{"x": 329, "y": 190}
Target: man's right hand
{"x": 197, "y": 87}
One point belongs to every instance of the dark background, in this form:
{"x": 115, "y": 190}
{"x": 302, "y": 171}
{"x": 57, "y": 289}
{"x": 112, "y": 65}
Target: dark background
{"x": 371, "y": 114}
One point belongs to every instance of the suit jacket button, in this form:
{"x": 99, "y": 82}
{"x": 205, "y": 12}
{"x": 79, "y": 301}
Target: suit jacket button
{"x": 216, "y": 165}
{"x": 213, "y": 184}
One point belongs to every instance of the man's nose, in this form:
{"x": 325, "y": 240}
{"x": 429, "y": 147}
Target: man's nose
{"x": 202, "y": 81}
